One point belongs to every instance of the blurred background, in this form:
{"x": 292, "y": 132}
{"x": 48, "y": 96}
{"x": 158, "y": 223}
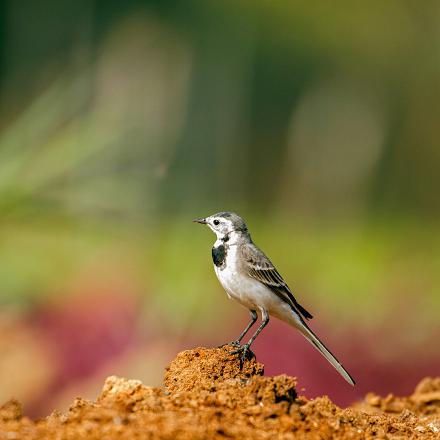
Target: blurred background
{"x": 122, "y": 121}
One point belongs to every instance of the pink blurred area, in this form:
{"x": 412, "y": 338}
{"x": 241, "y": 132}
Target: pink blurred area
{"x": 68, "y": 345}
{"x": 375, "y": 367}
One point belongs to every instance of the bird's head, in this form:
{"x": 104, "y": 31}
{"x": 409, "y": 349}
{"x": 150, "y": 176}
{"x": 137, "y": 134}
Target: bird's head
{"x": 225, "y": 225}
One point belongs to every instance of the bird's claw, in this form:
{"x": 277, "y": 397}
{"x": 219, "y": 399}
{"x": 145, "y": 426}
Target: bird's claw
{"x": 246, "y": 353}
{"x": 235, "y": 344}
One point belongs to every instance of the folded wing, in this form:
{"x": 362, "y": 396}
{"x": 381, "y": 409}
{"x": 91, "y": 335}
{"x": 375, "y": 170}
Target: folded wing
{"x": 262, "y": 269}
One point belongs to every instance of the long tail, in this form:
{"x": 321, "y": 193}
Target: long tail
{"x": 314, "y": 340}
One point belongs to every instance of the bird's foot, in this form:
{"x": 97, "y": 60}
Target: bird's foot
{"x": 245, "y": 352}
{"x": 235, "y": 344}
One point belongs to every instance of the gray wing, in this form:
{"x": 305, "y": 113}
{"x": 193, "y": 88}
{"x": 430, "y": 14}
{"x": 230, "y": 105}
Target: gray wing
{"x": 261, "y": 268}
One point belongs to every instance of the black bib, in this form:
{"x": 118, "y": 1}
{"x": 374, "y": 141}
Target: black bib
{"x": 219, "y": 255}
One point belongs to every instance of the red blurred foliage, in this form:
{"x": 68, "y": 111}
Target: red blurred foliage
{"x": 84, "y": 330}
{"x": 284, "y": 350}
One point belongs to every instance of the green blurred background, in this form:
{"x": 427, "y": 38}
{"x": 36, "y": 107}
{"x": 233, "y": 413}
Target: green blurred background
{"x": 121, "y": 121}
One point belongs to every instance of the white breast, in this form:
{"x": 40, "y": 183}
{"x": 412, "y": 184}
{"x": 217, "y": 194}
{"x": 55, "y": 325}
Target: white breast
{"x": 239, "y": 286}
{"x": 249, "y": 292}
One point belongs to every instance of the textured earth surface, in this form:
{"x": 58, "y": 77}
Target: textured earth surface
{"x": 207, "y": 396}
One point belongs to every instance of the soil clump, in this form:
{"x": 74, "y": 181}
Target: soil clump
{"x": 206, "y": 395}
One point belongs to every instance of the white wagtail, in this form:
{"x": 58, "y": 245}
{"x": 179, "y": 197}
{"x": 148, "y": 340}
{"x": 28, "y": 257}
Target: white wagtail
{"x": 250, "y": 278}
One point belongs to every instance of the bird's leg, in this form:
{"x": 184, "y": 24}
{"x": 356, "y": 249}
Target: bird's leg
{"x": 254, "y": 318}
{"x": 245, "y": 349}
{"x": 236, "y": 343}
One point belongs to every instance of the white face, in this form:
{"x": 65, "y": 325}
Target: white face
{"x": 219, "y": 225}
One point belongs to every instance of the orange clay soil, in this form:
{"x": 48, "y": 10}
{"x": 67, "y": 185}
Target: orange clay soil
{"x": 207, "y": 396}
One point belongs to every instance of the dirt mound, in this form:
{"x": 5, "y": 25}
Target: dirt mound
{"x": 207, "y": 396}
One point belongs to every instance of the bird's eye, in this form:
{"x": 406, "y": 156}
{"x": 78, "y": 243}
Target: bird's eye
{"x": 216, "y": 222}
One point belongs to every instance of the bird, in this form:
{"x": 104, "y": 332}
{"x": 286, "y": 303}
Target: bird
{"x": 250, "y": 278}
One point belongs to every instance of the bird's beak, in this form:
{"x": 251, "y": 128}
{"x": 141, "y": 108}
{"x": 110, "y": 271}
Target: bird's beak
{"x": 200, "y": 220}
